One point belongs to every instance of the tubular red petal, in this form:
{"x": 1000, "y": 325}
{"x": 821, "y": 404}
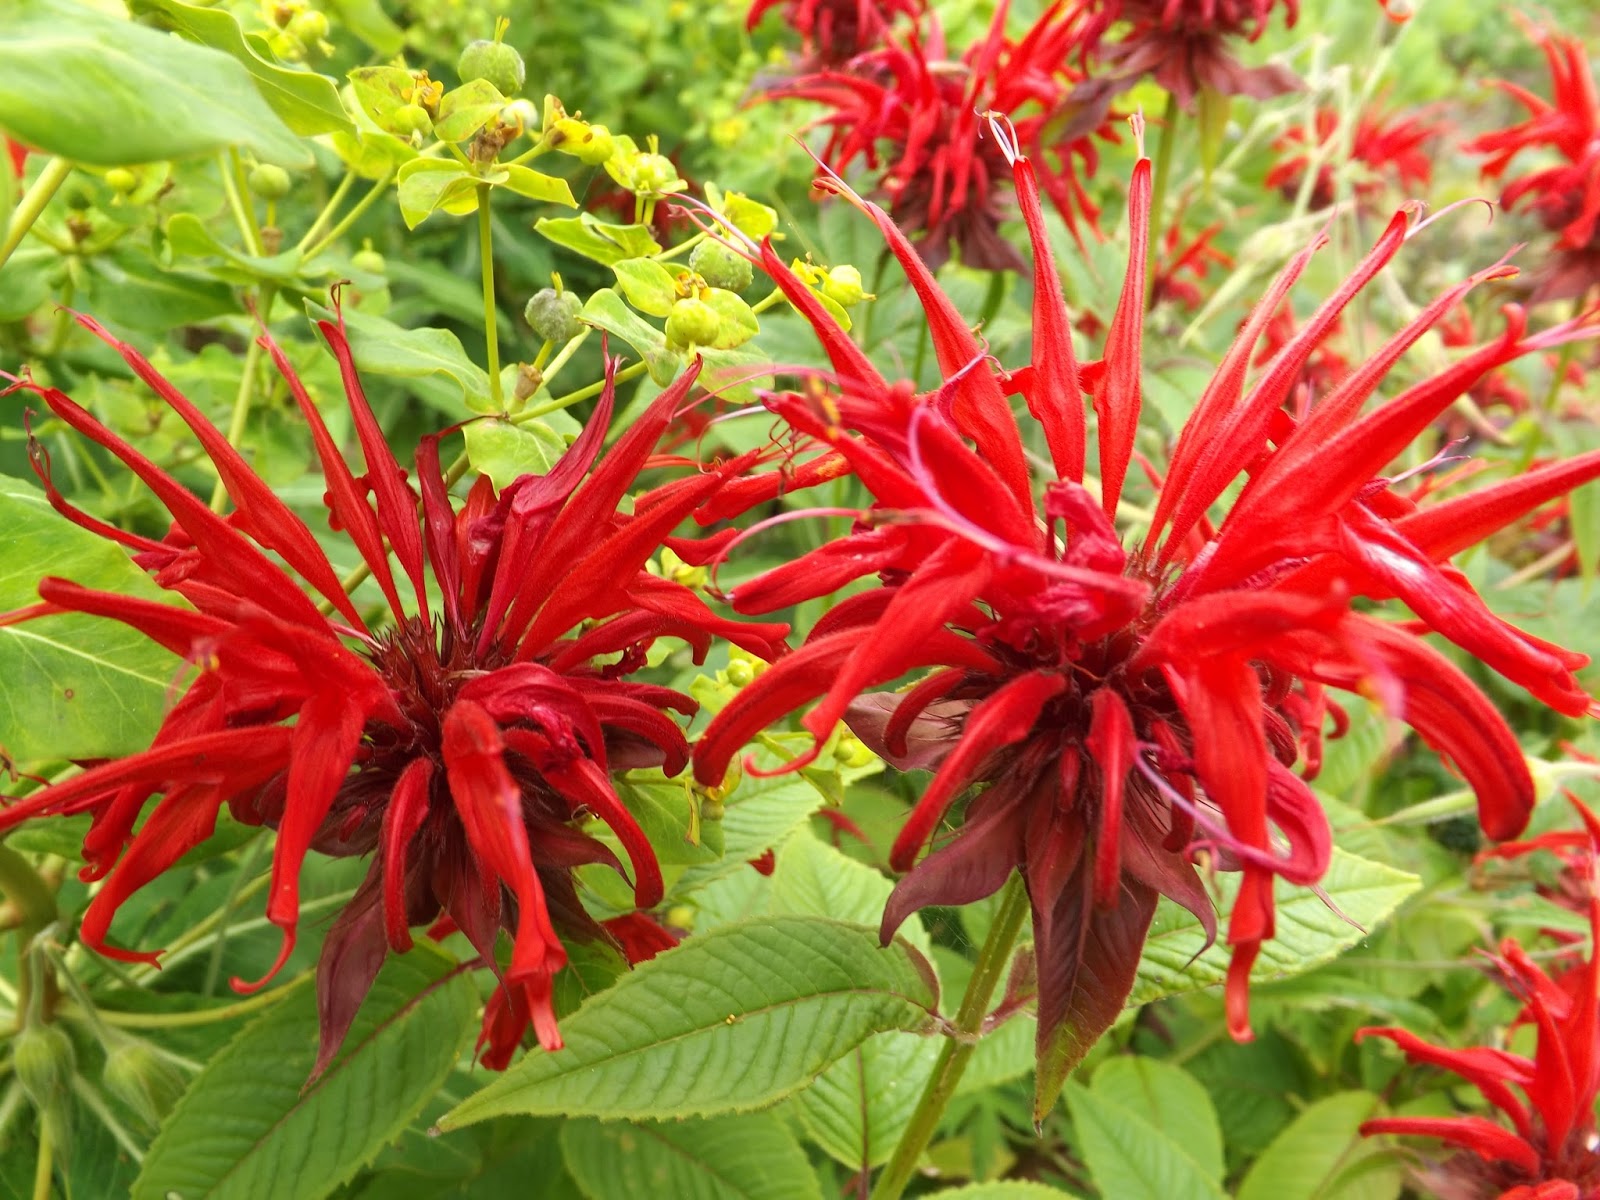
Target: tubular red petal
{"x": 586, "y": 784}
{"x": 1477, "y": 1134}
{"x": 1445, "y": 529}
{"x": 1111, "y": 742}
{"x": 1486, "y": 1069}
{"x": 1117, "y": 399}
{"x": 177, "y": 629}
{"x": 402, "y": 821}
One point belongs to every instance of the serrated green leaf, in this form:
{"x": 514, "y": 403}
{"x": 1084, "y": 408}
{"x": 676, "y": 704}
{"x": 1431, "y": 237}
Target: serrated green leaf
{"x": 246, "y": 1129}
{"x": 306, "y": 102}
{"x": 732, "y": 1158}
{"x": 606, "y": 310}
{"x": 383, "y": 348}
{"x": 503, "y": 451}
{"x": 593, "y": 238}
{"x": 1322, "y": 1156}
{"x": 525, "y": 181}
{"x": 466, "y": 109}
{"x": 648, "y": 285}
{"x": 80, "y": 83}
{"x": 1170, "y": 1099}
{"x": 76, "y": 686}
{"x": 1129, "y": 1157}
{"x": 727, "y": 1021}
{"x": 1309, "y": 933}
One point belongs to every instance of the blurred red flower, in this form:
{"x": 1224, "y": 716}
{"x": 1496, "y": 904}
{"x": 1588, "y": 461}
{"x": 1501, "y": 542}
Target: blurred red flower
{"x": 1184, "y": 45}
{"x": 915, "y": 113}
{"x": 835, "y": 31}
{"x": 457, "y": 746}
{"x": 1127, "y": 707}
{"x": 1552, "y": 1150}
{"x": 1565, "y": 196}
{"x": 1390, "y": 150}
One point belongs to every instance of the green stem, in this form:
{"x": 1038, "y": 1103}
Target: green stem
{"x": 241, "y": 877}
{"x": 241, "y": 185}
{"x": 201, "y": 1016}
{"x": 632, "y": 371}
{"x": 328, "y": 209}
{"x": 43, "y": 1172}
{"x": 351, "y": 217}
{"x": 773, "y": 297}
{"x": 491, "y": 317}
{"x": 1158, "y": 190}
{"x": 240, "y": 417}
{"x": 958, "y": 1050}
{"x": 33, "y": 204}
{"x": 35, "y": 905}
{"x": 242, "y": 217}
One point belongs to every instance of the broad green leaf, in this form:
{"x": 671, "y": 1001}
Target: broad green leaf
{"x": 525, "y": 181}
{"x": 1322, "y": 1156}
{"x": 727, "y": 1021}
{"x": 750, "y": 1157}
{"x": 1129, "y": 1157}
{"x": 503, "y": 451}
{"x": 379, "y": 91}
{"x": 251, "y": 1126}
{"x": 664, "y": 811}
{"x": 426, "y": 185}
{"x": 26, "y": 279}
{"x": 367, "y": 20}
{"x": 126, "y": 288}
{"x": 648, "y": 285}
{"x": 1309, "y": 932}
{"x": 593, "y": 238}
{"x": 760, "y": 813}
{"x": 77, "y": 686}
{"x": 383, "y": 348}
{"x": 306, "y": 102}
{"x": 606, "y": 310}
{"x": 467, "y": 109}
{"x": 189, "y": 238}
{"x": 739, "y": 323}
{"x": 1170, "y": 1099}
{"x": 78, "y": 82}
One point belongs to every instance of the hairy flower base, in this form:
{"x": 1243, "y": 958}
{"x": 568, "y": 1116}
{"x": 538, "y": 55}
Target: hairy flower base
{"x": 462, "y": 748}
{"x": 1122, "y": 709}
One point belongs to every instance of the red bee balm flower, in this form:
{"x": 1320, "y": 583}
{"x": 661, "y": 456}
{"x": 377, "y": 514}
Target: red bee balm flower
{"x": 1566, "y": 196}
{"x": 455, "y": 747}
{"x": 1126, "y": 706}
{"x": 1183, "y": 45}
{"x": 1553, "y": 1151}
{"x": 835, "y": 31}
{"x": 1384, "y": 146}
{"x": 909, "y": 107}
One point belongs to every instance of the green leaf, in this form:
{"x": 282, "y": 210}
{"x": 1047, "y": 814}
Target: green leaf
{"x": 429, "y": 184}
{"x": 606, "y": 310}
{"x": 530, "y": 183}
{"x": 466, "y": 109}
{"x": 593, "y": 238}
{"x": 1001, "y": 1189}
{"x": 379, "y": 91}
{"x": 1129, "y": 1157}
{"x": 383, "y": 348}
{"x": 664, "y": 811}
{"x": 732, "y": 1158}
{"x": 739, "y": 323}
{"x": 1171, "y": 1100}
{"x": 367, "y": 20}
{"x": 77, "y": 82}
{"x": 125, "y": 287}
{"x": 504, "y": 451}
{"x": 76, "y": 686}
{"x": 648, "y": 285}
{"x": 1322, "y": 1156}
{"x": 1583, "y": 507}
{"x": 306, "y": 102}
{"x": 1309, "y": 933}
{"x": 760, "y": 814}
{"x": 250, "y": 1125}
{"x": 727, "y": 1021}
{"x": 189, "y": 238}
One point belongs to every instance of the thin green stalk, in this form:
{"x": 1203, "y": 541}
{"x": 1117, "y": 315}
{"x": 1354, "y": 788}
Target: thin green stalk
{"x": 33, "y": 204}
{"x": 35, "y": 905}
{"x": 240, "y": 417}
{"x": 229, "y": 906}
{"x": 328, "y": 209}
{"x": 632, "y": 371}
{"x": 245, "y": 219}
{"x": 241, "y": 185}
{"x": 43, "y": 1171}
{"x": 201, "y": 1016}
{"x": 491, "y": 316}
{"x": 351, "y": 217}
{"x": 959, "y": 1048}
{"x": 1158, "y": 191}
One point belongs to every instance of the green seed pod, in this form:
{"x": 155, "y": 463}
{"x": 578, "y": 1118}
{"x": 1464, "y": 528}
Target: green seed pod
{"x": 851, "y": 751}
{"x": 269, "y": 182}
{"x": 121, "y": 180}
{"x": 712, "y": 808}
{"x": 721, "y": 266}
{"x": 843, "y": 286}
{"x": 43, "y": 1058}
{"x": 409, "y": 119}
{"x": 554, "y": 315}
{"x": 740, "y": 673}
{"x": 652, "y": 174}
{"x": 310, "y": 27}
{"x": 693, "y": 323}
{"x": 142, "y": 1079}
{"x": 369, "y": 260}
{"x": 497, "y": 62}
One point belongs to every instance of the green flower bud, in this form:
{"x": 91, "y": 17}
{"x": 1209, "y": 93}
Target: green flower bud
{"x": 43, "y": 1058}
{"x": 653, "y": 174}
{"x": 411, "y": 118}
{"x": 310, "y": 27}
{"x": 851, "y": 751}
{"x": 369, "y": 260}
{"x": 843, "y": 286}
{"x": 497, "y": 62}
{"x": 740, "y": 673}
{"x": 692, "y": 323}
{"x": 721, "y": 266}
{"x": 554, "y": 315}
{"x": 142, "y": 1079}
{"x": 121, "y": 180}
{"x": 269, "y": 182}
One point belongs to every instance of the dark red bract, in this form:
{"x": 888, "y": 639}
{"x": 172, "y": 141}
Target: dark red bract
{"x": 1185, "y": 45}
{"x": 1125, "y": 707}
{"x": 459, "y": 745}
{"x": 835, "y": 31}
